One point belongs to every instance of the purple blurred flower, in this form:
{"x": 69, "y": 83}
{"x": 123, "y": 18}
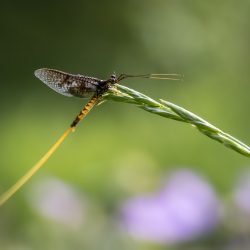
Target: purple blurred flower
{"x": 185, "y": 208}
{"x": 57, "y": 201}
{"x": 241, "y": 195}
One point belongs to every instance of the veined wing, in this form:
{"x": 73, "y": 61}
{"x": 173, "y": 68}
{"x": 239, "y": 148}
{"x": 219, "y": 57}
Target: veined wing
{"x": 55, "y": 79}
{"x": 68, "y": 84}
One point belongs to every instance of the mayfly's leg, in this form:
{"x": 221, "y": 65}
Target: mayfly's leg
{"x": 91, "y": 103}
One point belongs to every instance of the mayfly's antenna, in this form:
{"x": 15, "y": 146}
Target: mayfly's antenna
{"x": 153, "y": 76}
{"x": 12, "y": 190}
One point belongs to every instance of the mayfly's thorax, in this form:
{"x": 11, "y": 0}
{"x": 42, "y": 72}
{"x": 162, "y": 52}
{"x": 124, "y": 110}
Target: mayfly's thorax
{"x": 82, "y": 86}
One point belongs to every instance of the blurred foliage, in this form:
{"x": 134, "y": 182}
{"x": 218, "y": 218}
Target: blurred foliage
{"x": 118, "y": 150}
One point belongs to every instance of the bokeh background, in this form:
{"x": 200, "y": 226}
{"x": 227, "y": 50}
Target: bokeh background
{"x": 126, "y": 179}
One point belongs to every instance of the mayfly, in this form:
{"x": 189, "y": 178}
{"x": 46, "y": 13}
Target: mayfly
{"x": 78, "y": 86}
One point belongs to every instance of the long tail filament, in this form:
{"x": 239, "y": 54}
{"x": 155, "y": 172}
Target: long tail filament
{"x": 12, "y": 190}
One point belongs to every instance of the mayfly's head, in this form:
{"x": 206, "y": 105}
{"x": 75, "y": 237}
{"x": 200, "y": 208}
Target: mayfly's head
{"x": 105, "y": 84}
{"x": 113, "y": 79}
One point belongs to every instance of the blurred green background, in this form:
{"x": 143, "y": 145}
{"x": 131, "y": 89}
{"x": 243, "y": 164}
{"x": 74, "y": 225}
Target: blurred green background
{"x": 119, "y": 150}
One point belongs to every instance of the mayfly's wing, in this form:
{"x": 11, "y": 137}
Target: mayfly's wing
{"x": 68, "y": 84}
